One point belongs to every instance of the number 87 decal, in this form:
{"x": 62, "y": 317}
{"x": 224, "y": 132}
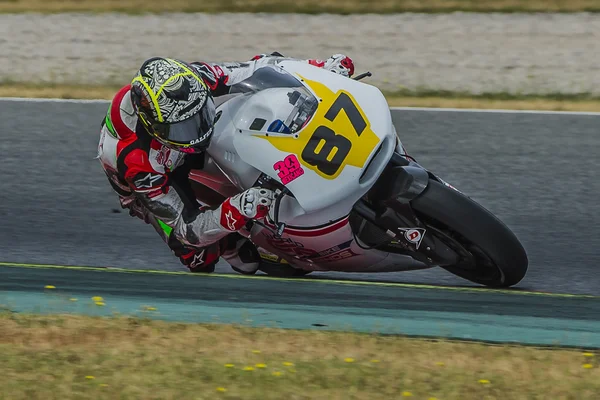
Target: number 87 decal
{"x": 326, "y": 150}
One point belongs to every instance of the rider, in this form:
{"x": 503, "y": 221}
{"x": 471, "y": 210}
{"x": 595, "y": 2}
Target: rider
{"x": 157, "y": 129}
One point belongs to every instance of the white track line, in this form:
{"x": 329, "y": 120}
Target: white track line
{"x": 486, "y": 110}
{"x": 44, "y": 100}
{"x": 424, "y": 109}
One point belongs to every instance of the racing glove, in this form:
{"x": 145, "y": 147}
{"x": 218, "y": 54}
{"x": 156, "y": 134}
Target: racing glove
{"x": 337, "y": 63}
{"x": 253, "y": 203}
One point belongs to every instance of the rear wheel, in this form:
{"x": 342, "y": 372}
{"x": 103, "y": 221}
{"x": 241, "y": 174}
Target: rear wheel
{"x": 490, "y": 253}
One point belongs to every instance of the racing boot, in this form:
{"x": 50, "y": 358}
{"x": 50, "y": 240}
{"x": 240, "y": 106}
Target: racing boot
{"x": 196, "y": 260}
{"x": 241, "y": 254}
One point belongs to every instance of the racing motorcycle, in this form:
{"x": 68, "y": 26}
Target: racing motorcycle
{"x": 349, "y": 197}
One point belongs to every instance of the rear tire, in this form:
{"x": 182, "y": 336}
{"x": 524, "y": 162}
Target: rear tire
{"x": 493, "y": 256}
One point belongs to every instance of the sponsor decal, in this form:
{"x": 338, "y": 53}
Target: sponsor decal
{"x": 336, "y": 253}
{"x": 231, "y": 221}
{"x": 414, "y": 235}
{"x": 201, "y": 138}
{"x": 297, "y": 250}
{"x": 148, "y": 180}
{"x": 198, "y": 259}
{"x": 230, "y": 217}
{"x": 162, "y": 157}
{"x": 289, "y": 246}
{"x": 341, "y": 255}
{"x": 267, "y": 255}
{"x": 289, "y": 169}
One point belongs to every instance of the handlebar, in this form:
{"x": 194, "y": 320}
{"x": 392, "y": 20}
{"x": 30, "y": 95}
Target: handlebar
{"x": 363, "y": 75}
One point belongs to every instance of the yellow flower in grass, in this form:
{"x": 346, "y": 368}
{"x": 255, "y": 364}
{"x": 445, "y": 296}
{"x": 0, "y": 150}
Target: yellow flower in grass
{"x": 256, "y": 351}
{"x": 587, "y": 354}
{"x": 229, "y": 365}
{"x": 588, "y": 366}
{"x": 288, "y": 364}
{"x": 276, "y": 373}
{"x": 100, "y": 303}
{"x": 406, "y": 394}
{"x": 349, "y": 359}
{"x": 248, "y": 368}
{"x": 440, "y": 364}
{"x": 484, "y": 381}
{"x": 96, "y": 299}
{"x": 90, "y": 377}
{"x": 221, "y": 389}
{"x": 49, "y": 287}
{"x": 261, "y": 365}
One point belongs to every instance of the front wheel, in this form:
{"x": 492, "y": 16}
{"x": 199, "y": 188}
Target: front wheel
{"x": 490, "y": 253}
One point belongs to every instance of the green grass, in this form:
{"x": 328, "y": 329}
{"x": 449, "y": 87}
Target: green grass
{"x": 76, "y": 357}
{"x": 298, "y": 6}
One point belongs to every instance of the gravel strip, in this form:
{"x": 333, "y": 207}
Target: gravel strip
{"x": 467, "y": 52}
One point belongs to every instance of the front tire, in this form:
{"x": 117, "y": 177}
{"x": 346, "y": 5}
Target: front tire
{"x": 490, "y": 252}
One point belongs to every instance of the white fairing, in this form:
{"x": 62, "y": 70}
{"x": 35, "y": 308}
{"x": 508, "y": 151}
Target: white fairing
{"x": 328, "y": 163}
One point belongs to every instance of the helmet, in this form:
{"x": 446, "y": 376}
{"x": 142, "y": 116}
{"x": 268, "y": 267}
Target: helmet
{"x": 174, "y": 104}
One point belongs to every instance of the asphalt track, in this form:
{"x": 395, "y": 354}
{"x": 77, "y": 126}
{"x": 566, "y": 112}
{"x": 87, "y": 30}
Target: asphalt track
{"x": 537, "y": 171}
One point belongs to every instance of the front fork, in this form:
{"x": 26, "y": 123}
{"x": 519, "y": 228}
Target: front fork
{"x": 387, "y": 209}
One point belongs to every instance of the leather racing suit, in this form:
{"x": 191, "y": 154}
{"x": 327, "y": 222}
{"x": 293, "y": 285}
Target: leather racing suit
{"x": 151, "y": 180}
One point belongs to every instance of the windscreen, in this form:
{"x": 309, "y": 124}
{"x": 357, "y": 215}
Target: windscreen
{"x": 269, "y": 76}
{"x": 286, "y": 108}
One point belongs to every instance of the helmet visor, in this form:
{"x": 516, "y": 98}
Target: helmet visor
{"x": 192, "y": 132}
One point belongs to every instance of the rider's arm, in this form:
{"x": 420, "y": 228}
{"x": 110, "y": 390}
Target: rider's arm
{"x": 221, "y": 76}
{"x": 168, "y": 198}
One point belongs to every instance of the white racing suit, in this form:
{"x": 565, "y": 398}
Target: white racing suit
{"x": 151, "y": 180}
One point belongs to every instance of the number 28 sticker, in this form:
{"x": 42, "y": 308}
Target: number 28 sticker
{"x": 338, "y": 135}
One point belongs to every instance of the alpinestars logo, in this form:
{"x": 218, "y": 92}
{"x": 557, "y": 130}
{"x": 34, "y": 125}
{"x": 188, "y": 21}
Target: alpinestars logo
{"x": 148, "y": 181}
{"x": 230, "y": 221}
{"x": 198, "y": 260}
